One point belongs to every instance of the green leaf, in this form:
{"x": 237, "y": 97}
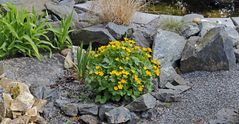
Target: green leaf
{"x": 100, "y": 99}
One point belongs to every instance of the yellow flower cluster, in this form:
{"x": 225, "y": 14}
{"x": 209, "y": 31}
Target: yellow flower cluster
{"x": 156, "y": 70}
{"x": 119, "y": 73}
{"x": 147, "y": 50}
{"x": 141, "y": 88}
{"x": 136, "y": 78}
{"x": 138, "y": 81}
{"x": 100, "y": 73}
{"x": 120, "y": 85}
{"x": 148, "y": 73}
{"x": 156, "y": 67}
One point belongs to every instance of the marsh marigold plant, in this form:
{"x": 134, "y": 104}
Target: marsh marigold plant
{"x": 121, "y": 70}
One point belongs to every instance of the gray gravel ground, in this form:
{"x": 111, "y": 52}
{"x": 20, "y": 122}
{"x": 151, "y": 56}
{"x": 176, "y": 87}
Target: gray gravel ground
{"x": 211, "y": 92}
{"x": 31, "y": 70}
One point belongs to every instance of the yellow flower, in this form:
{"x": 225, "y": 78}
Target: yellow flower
{"x": 131, "y": 41}
{"x": 127, "y": 58}
{"x": 125, "y": 72}
{"x": 131, "y": 45}
{"x": 128, "y": 50}
{"x": 97, "y": 67}
{"x": 138, "y": 81}
{"x": 123, "y": 81}
{"x": 120, "y": 67}
{"x": 120, "y": 86}
{"x": 149, "y": 50}
{"x": 148, "y": 73}
{"x": 118, "y": 73}
{"x": 154, "y": 61}
{"x": 117, "y": 59}
{"x": 126, "y": 39}
{"x": 145, "y": 68}
{"x": 140, "y": 88}
{"x": 155, "y": 67}
{"x": 123, "y": 48}
{"x": 137, "y": 47}
{"x": 113, "y": 72}
{"x": 145, "y": 49}
{"x": 157, "y": 72}
{"x": 101, "y": 73}
{"x": 116, "y": 88}
{"x": 148, "y": 55}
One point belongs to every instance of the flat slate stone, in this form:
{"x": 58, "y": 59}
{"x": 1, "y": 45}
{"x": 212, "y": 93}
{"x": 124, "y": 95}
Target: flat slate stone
{"x": 143, "y": 18}
{"x": 235, "y": 20}
{"x": 225, "y": 21}
{"x": 84, "y": 6}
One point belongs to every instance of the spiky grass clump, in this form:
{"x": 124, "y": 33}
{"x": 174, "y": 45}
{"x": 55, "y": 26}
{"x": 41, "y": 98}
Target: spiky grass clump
{"x": 171, "y": 24}
{"x": 117, "y": 11}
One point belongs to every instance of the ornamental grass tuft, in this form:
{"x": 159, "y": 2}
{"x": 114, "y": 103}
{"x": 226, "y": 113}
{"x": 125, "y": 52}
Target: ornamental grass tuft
{"x": 121, "y": 71}
{"x": 117, "y": 11}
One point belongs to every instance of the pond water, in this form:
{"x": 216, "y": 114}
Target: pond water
{"x": 210, "y": 9}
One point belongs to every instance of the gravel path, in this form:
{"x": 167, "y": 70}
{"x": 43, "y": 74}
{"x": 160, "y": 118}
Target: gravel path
{"x": 211, "y": 92}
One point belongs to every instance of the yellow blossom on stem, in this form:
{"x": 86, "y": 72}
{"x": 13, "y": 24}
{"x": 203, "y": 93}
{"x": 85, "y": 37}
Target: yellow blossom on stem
{"x": 116, "y": 88}
{"x": 97, "y": 67}
{"x": 145, "y": 49}
{"x": 120, "y": 86}
{"x": 117, "y": 59}
{"x": 123, "y": 81}
{"x": 101, "y": 73}
{"x": 149, "y": 50}
{"x": 155, "y": 67}
{"x": 148, "y": 55}
{"x": 148, "y": 73}
{"x": 154, "y": 61}
{"x": 141, "y": 88}
{"x": 137, "y": 47}
{"x": 157, "y": 72}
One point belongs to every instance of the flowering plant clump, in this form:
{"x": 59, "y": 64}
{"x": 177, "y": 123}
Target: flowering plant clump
{"x": 121, "y": 70}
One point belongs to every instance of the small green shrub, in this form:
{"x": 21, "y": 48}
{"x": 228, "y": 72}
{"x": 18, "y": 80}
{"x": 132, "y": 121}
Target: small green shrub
{"x": 61, "y": 34}
{"x": 21, "y": 32}
{"x": 171, "y": 24}
{"x": 121, "y": 70}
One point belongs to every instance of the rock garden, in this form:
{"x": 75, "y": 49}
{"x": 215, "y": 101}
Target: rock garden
{"x": 108, "y": 62}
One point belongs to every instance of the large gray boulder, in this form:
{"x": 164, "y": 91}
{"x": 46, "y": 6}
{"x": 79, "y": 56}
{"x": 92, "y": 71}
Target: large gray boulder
{"x": 168, "y": 47}
{"x": 96, "y": 33}
{"x": 63, "y": 9}
{"x": 117, "y": 31}
{"x": 190, "y": 17}
{"x": 211, "y": 53}
{"x": 189, "y": 29}
{"x": 69, "y": 109}
{"x": 118, "y": 115}
{"x": 167, "y": 95}
{"x": 144, "y": 102}
{"x": 205, "y": 26}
